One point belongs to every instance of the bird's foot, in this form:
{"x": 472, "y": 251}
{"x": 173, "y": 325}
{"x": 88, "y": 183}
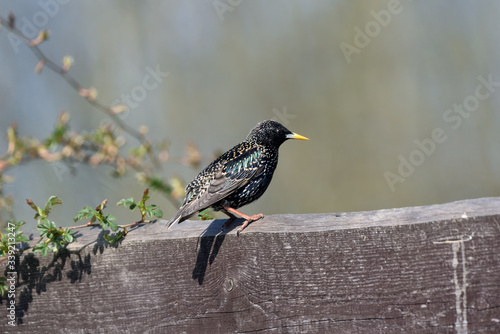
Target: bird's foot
{"x": 248, "y": 220}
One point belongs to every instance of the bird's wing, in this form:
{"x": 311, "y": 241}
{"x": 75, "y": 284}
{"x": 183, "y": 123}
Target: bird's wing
{"x": 240, "y": 168}
{"x": 236, "y": 173}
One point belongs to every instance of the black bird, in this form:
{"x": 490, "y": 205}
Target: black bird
{"x": 238, "y": 177}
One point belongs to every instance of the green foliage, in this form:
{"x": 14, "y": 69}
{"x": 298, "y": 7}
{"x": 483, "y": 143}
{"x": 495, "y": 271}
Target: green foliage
{"x": 127, "y": 202}
{"x": 204, "y": 215}
{"x": 53, "y": 238}
{"x": 158, "y": 184}
{"x": 145, "y": 210}
{"x": 3, "y": 286}
{"x": 8, "y": 248}
{"x": 42, "y": 214}
{"x": 106, "y": 221}
{"x": 13, "y": 236}
{"x": 59, "y": 133}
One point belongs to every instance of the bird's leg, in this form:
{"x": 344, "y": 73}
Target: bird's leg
{"x": 229, "y": 221}
{"x": 248, "y": 219}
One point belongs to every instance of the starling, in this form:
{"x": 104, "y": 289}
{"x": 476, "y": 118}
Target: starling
{"x": 238, "y": 177}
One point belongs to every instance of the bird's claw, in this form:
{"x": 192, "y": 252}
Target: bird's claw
{"x": 248, "y": 221}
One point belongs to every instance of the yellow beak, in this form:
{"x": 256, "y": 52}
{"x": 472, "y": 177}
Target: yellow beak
{"x": 296, "y": 136}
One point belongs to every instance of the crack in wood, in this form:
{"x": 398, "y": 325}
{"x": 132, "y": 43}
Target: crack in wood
{"x": 460, "y": 287}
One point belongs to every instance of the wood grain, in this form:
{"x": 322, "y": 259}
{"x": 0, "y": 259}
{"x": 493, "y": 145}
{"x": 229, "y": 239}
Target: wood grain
{"x": 431, "y": 269}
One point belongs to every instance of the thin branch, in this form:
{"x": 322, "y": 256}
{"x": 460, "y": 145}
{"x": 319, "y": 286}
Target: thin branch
{"x": 111, "y": 112}
{"x": 89, "y": 224}
{"x": 45, "y": 61}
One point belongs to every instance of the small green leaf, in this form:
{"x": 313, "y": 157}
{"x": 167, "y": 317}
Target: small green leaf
{"x": 19, "y": 224}
{"x": 158, "y": 213}
{"x": 86, "y": 212}
{"x": 68, "y": 236}
{"x": 21, "y": 238}
{"x": 203, "y": 215}
{"x": 3, "y": 286}
{"x": 53, "y": 200}
{"x": 126, "y": 202}
{"x": 113, "y": 226}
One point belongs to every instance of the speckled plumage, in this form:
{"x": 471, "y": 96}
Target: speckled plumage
{"x": 239, "y": 176}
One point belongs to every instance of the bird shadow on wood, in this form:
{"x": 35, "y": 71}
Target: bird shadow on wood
{"x": 209, "y": 245}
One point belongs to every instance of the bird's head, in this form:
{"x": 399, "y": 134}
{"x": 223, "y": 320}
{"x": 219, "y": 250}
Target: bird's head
{"x": 272, "y": 133}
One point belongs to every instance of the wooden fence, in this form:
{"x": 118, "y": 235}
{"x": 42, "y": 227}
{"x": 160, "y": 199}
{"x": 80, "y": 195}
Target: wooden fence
{"x": 431, "y": 269}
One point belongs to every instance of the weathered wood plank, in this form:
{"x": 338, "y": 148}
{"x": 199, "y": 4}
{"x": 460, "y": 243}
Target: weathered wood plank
{"x": 432, "y": 269}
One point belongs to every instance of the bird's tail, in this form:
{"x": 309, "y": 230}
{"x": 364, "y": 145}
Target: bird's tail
{"x": 179, "y": 217}
{"x": 175, "y": 219}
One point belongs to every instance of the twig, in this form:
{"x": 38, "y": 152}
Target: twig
{"x": 89, "y": 224}
{"x": 46, "y": 62}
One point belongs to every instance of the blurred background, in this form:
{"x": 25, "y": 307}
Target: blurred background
{"x": 400, "y": 99}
